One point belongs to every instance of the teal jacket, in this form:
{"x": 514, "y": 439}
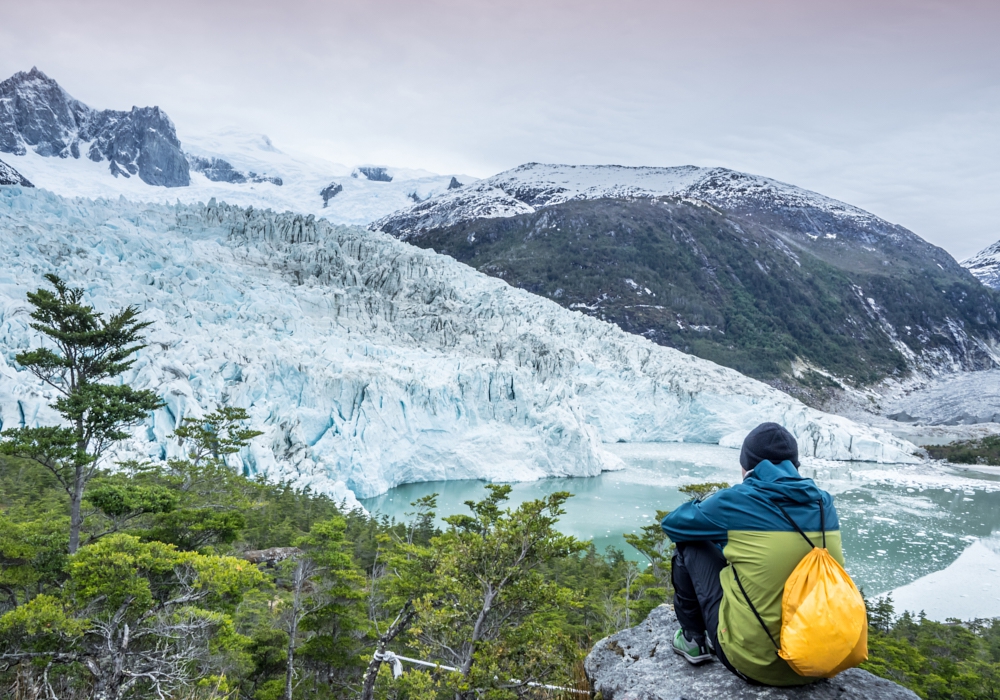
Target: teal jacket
{"x": 763, "y": 548}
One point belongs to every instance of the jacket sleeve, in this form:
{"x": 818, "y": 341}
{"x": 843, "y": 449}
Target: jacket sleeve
{"x": 698, "y": 520}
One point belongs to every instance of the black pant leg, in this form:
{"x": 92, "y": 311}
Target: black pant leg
{"x": 697, "y": 599}
{"x": 686, "y": 605}
{"x": 701, "y": 563}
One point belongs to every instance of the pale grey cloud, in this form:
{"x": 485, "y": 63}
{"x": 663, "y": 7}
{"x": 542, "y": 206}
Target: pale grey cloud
{"x": 890, "y": 105}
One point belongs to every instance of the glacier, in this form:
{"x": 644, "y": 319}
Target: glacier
{"x": 368, "y": 362}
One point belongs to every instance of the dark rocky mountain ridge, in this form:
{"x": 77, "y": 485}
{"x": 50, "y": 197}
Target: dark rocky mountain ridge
{"x": 779, "y": 283}
{"x": 36, "y": 113}
{"x": 9, "y": 176}
{"x": 985, "y": 265}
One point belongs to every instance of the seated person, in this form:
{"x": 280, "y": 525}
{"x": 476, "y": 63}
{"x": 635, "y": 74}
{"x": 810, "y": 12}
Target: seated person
{"x": 735, "y": 550}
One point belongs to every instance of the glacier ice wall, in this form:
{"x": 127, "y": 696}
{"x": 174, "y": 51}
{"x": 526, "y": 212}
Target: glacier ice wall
{"x": 368, "y": 362}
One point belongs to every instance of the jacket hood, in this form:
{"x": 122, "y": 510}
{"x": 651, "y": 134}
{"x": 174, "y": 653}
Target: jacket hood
{"x": 782, "y": 482}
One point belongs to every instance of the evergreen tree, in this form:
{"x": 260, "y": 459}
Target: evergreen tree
{"x": 90, "y": 349}
{"x": 491, "y": 613}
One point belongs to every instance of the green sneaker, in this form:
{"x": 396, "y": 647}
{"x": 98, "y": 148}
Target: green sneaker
{"x": 692, "y": 651}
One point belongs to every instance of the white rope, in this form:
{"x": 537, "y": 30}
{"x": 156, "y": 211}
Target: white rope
{"x": 397, "y": 670}
{"x": 392, "y": 660}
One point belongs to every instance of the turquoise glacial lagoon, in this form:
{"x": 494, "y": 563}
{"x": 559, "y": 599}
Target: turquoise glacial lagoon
{"x": 899, "y": 522}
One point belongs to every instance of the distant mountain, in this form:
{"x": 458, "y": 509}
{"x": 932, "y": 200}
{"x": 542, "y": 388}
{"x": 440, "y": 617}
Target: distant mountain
{"x": 46, "y": 132}
{"x": 36, "y": 113}
{"x": 534, "y": 186}
{"x": 985, "y": 265}
{"x": 783, "y": 284}
{"x": 9, "y": 176}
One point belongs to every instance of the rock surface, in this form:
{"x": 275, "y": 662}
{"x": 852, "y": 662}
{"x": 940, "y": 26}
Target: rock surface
{"x": 221, "y": 170}
{"x": 372, "y": 172}
{"x": 36, "y": 112}
{"x": 9, "y": 176}
{"x": 985, "y": 265}
{"x": 330, "y": 191}
{"x": 639, "y": 664}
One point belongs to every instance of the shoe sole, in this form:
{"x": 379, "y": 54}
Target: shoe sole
{"x": 693, "y": 660}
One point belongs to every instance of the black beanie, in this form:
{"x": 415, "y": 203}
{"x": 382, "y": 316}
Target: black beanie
{"x": 771, "y": 442}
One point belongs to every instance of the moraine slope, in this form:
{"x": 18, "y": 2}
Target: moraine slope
{"x": 368, "y": 362}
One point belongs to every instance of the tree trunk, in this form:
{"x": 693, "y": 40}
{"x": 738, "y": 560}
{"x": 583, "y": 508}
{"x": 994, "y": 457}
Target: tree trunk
{"x": 75, "y": 515}
{"x": 293, "y": 627}
{"x": 290, "y": 664}
{"x": 403, "y": 621}
{"x": 477, "y": 630}
{"x": 76, "y": 498}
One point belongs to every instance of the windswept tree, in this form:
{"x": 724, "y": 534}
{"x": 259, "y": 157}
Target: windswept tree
{"x": 213, "y": 498}
{"x": 87, "y": 350}
{"x": 490, "y": 611}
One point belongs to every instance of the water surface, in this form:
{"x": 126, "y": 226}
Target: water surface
{"x": 898, "y": 522}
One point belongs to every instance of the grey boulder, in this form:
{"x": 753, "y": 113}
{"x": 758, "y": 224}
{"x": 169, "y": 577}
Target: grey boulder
{"x": 640, "y": 664}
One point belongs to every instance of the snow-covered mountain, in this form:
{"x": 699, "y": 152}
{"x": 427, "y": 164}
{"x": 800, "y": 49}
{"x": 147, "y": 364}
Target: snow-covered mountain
{"x": 368, "y": 362}
{"x": 533, "y": 186}
{"x": 36, "y": 113}
{"x": 985, "y": 265}
{"x": 253, "y": 163}
{"x": 47, "y": 132}
{"x": 9, "y": 176}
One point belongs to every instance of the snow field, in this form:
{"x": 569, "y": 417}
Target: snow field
{"x": 303, "y": 176}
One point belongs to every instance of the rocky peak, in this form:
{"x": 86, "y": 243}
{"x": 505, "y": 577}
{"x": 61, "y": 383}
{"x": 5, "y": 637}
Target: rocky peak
{"x": 141, "y": 142}
{"x": 985, "y": 265}
{"x": 36, "y": 112}
{"x": 9, "y": 176}
{"x": 639, "y": 664}
{"x": 372, "y": 172}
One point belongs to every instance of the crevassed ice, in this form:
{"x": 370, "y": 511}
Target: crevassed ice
{"x": 367, "y": 362}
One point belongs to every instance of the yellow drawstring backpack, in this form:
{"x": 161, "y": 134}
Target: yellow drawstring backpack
{"x": 824, "y": 624}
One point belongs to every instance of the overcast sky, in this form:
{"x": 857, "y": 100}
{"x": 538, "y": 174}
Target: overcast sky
{"x": 890, "y": 105}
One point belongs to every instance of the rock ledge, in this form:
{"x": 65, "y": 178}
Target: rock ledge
{"x": 639, "y": 664}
